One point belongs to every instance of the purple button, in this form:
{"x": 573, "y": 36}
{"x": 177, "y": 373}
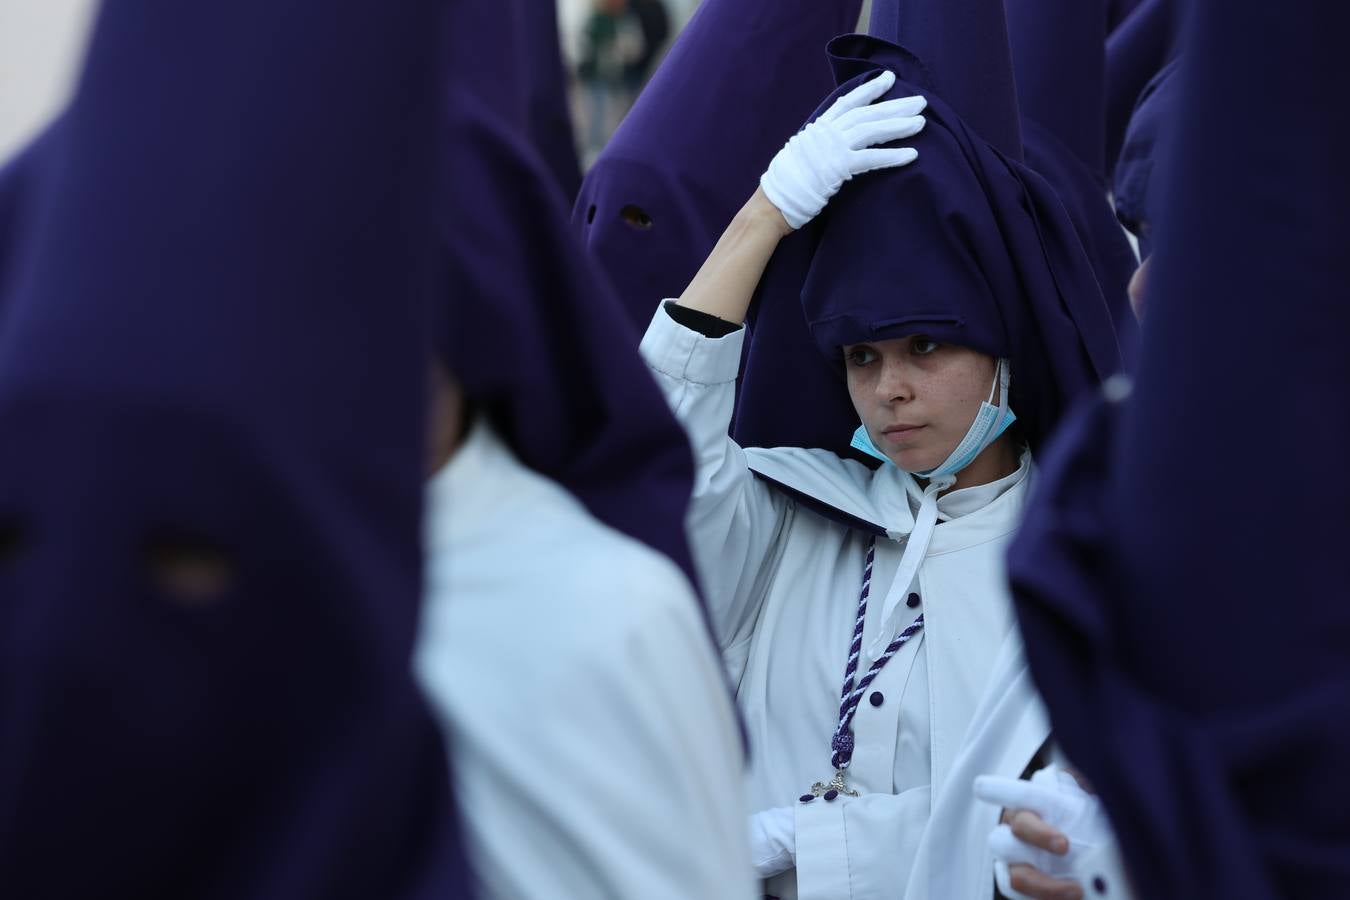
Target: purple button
{"x": 830, "y": 795}
{"x": 1099, "y": 884}
{"x": 807, "y": 798}
{"x": 877, "y": 698}
{"x": 912, "y": 600}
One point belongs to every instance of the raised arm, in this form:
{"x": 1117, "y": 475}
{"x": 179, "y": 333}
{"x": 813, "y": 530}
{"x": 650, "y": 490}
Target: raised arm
{"x": 733, "y": 519}
{"x": 727, "y": 279}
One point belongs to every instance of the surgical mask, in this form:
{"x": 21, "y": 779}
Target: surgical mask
{"x": 990, "y": 423}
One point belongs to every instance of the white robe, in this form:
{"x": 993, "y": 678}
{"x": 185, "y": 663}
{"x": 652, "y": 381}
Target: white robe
{"x": 783, "y": 581}
{"x": 1011, "y": 724}
{"x": 593, "y": 740}
{"x": 953, "y": 861}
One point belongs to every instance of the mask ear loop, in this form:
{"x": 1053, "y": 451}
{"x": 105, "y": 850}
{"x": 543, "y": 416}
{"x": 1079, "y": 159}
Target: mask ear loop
{"x": 1001, "y": 379}
{"x": 1004, "y": 401}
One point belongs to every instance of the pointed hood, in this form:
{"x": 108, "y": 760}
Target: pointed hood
{"x": 1059, "y": 54}
{"x": 964, "y": 44}
{"x": 990, "y": 261}
{"x": 510, "y": 52}
{"x": 536, "y": 338}
{"x": 1059, "y": 57}
{"x": 1135, "y": 51}
{"x": 546, "y": 104}
{"x": 1196, "y": 672}
{"x": 1155, "y": 112}
{"x": 211, "y": 395}
{"x": 541, "y": 346}
{"x": 741, "y": 77}
{"x": 490, "y": 52}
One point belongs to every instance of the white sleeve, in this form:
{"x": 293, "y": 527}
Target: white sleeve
{"x": 734, "y": 518}
{"x": 859, "y": 846}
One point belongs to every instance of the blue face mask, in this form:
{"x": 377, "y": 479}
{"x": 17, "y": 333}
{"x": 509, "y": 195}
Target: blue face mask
{"x": 990, "y": 422}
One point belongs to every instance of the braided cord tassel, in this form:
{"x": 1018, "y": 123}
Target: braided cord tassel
{"x": 842, "y": 742}
{"x": 855, "y": 648}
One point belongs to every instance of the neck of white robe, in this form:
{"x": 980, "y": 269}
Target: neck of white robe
{"x": 929, "y": 509}
{"x": 467, "y": 490}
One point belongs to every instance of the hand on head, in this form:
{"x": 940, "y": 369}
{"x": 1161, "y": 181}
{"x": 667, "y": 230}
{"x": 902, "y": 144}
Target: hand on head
{"x": 843, "y": 142}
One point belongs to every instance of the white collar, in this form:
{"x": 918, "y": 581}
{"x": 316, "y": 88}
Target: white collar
{"x": 883, "y": 501}
{"x": 963, "y": 501}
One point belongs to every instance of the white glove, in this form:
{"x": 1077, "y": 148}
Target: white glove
{"x": 1055, "y": 796}
{"x": 816, "y": 162}
{"x": 773, "y": 841}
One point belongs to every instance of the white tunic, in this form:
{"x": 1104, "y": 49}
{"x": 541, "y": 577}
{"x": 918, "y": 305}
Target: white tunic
{"x": 783, "y": 581}
{"x": 594, "y": 743}
{"x": 954, "y": 861}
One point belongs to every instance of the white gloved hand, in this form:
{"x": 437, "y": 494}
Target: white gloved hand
{"x": 1055, "y": 796}
{"x": 841, "y": 143}
{"x": 773, "y": 841}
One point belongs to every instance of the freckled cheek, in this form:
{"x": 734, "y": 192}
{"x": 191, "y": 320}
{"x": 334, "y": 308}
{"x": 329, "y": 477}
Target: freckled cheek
{"x": 861, "y": 389}
{"x": 954, "y": 400}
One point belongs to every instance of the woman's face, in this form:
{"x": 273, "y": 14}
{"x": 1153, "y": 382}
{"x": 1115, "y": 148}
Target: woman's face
{"x": 917, "y": 398}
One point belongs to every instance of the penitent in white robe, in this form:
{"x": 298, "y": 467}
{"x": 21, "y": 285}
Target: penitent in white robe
{"x": 780, "y": 537}
{"x": 594, "y": 744}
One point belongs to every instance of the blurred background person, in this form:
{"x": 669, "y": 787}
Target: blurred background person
{"x": 619, "y": 42}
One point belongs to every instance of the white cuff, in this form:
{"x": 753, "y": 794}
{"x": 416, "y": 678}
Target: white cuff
{"x": 684, "y": 354}
{"x": 822, "y": 850}
{"x": 1101, "y": 872}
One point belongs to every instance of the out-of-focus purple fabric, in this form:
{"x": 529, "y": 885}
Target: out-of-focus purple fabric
{"x": 1179, "y": 573}
{"x": 211, "y": 374}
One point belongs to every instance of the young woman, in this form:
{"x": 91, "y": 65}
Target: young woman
{"x": 863, "y": 611}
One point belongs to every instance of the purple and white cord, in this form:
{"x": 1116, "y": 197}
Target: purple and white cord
{"x": 842, "y": 743}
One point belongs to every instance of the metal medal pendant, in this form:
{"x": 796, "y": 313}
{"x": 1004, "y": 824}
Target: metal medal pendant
{"x": 821, "y": 788}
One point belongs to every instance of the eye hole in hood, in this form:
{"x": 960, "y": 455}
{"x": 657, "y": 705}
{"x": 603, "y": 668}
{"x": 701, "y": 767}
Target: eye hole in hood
{"x": 189, "y": 570}
{"x": 636, "y": 217}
